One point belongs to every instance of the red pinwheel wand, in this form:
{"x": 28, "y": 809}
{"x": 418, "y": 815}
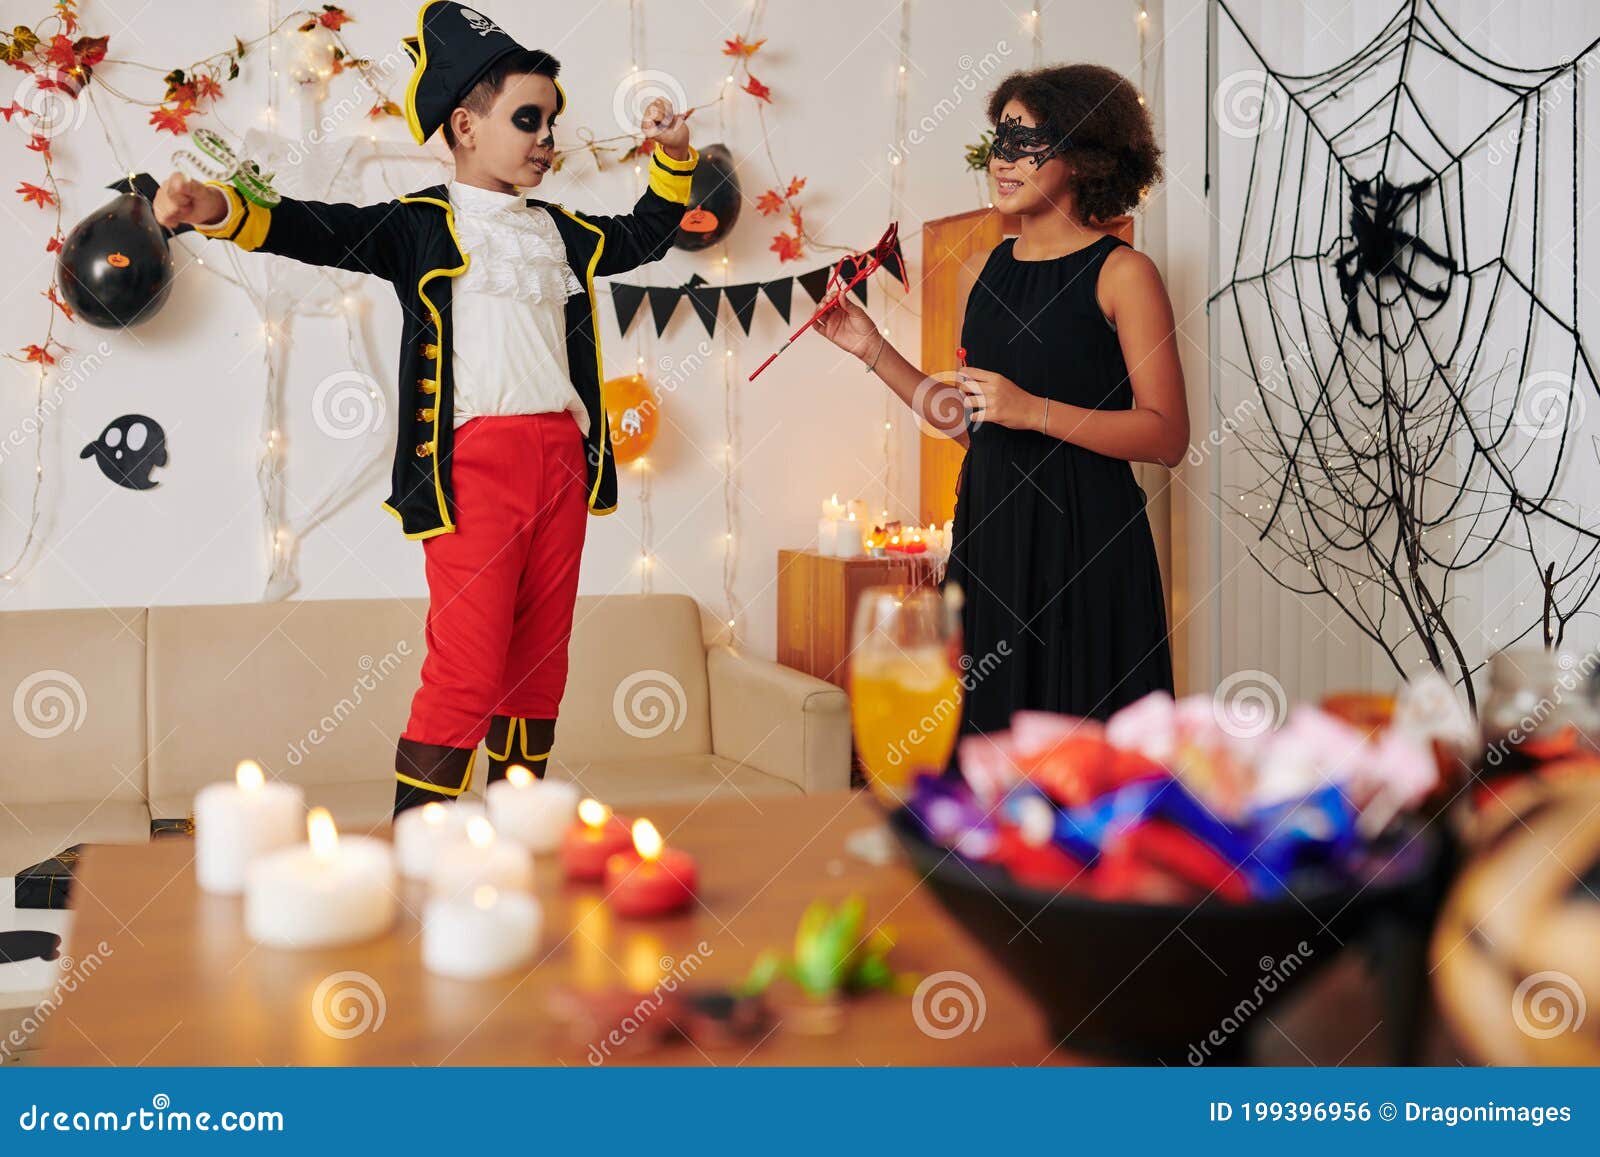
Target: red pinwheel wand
{"x": 859, "y": 266}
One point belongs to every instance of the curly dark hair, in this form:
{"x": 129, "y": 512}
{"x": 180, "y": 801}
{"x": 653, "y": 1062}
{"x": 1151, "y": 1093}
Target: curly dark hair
{"x": 481, "y": 98}
{"x": 1111, "y": 146}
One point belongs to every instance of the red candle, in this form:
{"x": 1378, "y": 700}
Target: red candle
{"x": 596, "y": 837}
{"x": 652, "y": 879}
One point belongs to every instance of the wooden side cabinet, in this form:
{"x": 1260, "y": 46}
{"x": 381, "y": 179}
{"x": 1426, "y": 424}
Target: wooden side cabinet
{"x": 817, "y": 597}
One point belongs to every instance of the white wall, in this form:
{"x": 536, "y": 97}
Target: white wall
{"x": 811, "y": 425}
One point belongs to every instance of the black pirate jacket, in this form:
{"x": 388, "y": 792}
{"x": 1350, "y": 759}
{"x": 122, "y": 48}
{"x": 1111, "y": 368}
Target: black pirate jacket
{"x": 411, "y": 243}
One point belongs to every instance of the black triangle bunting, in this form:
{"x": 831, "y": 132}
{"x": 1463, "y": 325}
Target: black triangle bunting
{"x": 626, "y": 299}
{"x": 706, "y": 298}
{"x": 780, "y": 293}
{"x": 663, "y": 300}
{"x": 743, "y": 300}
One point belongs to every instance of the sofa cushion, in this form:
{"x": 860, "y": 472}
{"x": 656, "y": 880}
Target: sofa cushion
{"x": 31, "y": 832}
{"x": 74, "y": 683}
{"x": 637, "y": 687}
{"x": 632, "y": 783}
{"x": 340, "y": 676}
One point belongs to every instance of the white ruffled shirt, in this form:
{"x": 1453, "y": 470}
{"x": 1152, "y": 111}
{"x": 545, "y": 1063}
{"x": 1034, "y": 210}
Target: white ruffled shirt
{"x": 508, "y": 309}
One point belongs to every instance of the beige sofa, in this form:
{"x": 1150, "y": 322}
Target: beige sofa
{"x": 119, "y": 716}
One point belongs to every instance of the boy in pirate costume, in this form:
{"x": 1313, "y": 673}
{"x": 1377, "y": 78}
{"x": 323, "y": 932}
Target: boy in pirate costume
{"x": 503, "y": 443}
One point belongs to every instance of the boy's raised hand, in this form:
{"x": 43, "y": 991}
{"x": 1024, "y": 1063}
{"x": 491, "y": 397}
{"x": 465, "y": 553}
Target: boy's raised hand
{"x": 182, "y": 200}
{"x": 667, "y": 128}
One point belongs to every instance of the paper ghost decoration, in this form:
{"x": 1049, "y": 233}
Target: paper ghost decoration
{"x": 128, "y": 449}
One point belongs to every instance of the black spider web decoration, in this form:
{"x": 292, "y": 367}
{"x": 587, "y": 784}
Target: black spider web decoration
{"x": 1400, "y": 313}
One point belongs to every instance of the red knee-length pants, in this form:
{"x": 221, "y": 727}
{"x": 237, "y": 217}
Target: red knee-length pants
{"x": 501, "y": 588}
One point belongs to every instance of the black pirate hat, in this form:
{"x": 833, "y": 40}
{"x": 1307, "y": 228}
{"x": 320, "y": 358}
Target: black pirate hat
{"x": 453, "y": 48}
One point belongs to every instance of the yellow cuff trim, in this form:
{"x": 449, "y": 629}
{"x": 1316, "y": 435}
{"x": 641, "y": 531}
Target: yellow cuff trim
{"x": 671, "y": 178}
{"x": 246, "y": 224}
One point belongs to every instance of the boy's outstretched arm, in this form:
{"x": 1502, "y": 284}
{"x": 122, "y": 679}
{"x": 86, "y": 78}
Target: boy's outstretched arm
{"x": 646, "y": 234}
{"x": 360, "y": 238}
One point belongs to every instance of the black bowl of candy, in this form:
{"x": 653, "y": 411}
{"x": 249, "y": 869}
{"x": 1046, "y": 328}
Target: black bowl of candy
{"x": 1158, "y": 883}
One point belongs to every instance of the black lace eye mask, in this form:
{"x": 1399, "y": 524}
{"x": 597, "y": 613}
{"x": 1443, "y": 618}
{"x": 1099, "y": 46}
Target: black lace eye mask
{"x": 1014, "y": 141}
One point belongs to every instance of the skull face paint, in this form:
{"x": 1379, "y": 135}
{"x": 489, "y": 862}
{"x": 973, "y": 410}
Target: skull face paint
{"x": 529, "y": 118}
{"x": 1015, "y": 141}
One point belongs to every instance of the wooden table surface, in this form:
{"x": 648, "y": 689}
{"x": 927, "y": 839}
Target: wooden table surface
{"x": 175, "y": 981}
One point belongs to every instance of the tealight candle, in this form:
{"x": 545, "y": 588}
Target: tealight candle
{"x": 651, "y": 880}
{"x": 596, "y": 837}
{"x": 481, "y": 859}
{"x": 847, "y": 539}
{"x": 235, "y": 823}
{"x": 534, "y": 812}
{"x": 420, "y": 832}
{"x": 328, "y": 892}
{"x": 485, "y": 934}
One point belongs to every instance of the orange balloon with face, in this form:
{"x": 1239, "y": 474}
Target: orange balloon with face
{"x": 633, "y": 410}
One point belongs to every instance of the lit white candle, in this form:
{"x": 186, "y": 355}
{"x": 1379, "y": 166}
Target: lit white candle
{"x": 827, "y": 536}
{"x": 833, "y": 508}
{"x": 848, "y": 537}
{"x": 328, "y": 892}
{"x": 234, "y": 823}
{"x": 535, "y": 813}
{"x": 485, "y": 934}
{"x": 460, "y": 869}
{"x": 858, "y": 508}
{"x": 420, "y": 832}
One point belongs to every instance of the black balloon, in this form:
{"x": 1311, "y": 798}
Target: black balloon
{"x": 713, "y": 200}
{"x": 128, "y": 449}
{"x": 114, "y": 268}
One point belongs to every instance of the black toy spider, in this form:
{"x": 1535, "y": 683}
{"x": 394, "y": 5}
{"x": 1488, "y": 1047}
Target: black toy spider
{"x": 1380, "y": 248}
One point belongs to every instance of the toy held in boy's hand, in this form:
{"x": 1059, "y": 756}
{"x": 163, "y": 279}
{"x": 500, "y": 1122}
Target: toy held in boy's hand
{"x": 114, "y": 268}
{"x": 213, "y": 159}
{"x": 845, "y": 276}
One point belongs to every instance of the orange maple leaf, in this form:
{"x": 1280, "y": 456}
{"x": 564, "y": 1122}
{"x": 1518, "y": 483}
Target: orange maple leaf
{"x": 38, "y": 353}
{"x": 758, "y": 90}
{"x": 54, "y": 244}
{"x": 206, "y": 87}
{"x": 12, "y": 110}
{"x": 40, "y": 196}
{"x": 40, "y": 144}
{"x": 384, "y": 108}
{"x": 57, "y": 302}
{"x": 739, "y": 47}
{"x": 786, "y": 246}
{"x": 174, "y": 120}
{"x": 333, "y": 18}
{"x": 795, "y": 185}
{"x": 770, "y": 202}
{"x": 60, "y": 54}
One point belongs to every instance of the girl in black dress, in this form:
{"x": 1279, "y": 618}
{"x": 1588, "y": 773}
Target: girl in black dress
{"x": 1072, "y": 374}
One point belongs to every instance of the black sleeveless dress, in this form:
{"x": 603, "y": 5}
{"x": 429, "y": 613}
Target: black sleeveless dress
{"x": 1051, "y": 544}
